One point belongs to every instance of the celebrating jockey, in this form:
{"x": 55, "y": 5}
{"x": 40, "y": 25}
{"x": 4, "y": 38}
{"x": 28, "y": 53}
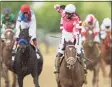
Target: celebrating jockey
{"x": 91, "y": 23}
{"x": 7, "y": 20}
{"x": 105, "y": 28}
{"x": 26, "y": 19}
{"x": 69, "y": 28}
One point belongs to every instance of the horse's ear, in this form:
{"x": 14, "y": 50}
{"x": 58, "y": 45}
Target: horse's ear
{"x": 74, "y": 41}
{"x": 20, "y": 27}
{"x": 65, "y": 41}
{"x": 28, "y": 28}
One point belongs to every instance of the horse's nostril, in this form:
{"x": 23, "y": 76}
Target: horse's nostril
{"x": 107, "y": 27}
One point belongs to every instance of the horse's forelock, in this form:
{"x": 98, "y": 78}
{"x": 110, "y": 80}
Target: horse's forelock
{"x": 70, "y": 56}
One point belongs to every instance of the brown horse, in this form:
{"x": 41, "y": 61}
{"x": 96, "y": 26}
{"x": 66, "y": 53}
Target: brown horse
{"x": 7, "y": 45}
{"x": 92, "y": 52}
{"x": 71, "y": 70}
{"x": 106, "y": 50}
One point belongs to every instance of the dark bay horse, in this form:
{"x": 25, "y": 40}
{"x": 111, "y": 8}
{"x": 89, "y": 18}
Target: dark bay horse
{"x": 71, "y": 70}
{"x": 26, "y": 61}
{"x": 92, "y": 52}
{"x": 106, "y": 51}
{"x": 6, "y": 54}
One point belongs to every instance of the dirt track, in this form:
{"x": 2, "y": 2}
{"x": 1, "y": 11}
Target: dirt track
{"x": 47, "y": 78}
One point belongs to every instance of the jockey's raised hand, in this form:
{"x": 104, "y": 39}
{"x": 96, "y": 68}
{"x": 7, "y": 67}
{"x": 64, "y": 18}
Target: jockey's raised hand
{"x": 68, "y": 26}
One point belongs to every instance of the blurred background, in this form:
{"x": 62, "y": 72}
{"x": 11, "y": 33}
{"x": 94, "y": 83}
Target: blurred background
{"x": 48, "y": 23}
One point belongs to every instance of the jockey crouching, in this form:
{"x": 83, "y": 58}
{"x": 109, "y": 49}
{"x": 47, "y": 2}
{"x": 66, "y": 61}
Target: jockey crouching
{"x": 91, "y": 23}
{"x": 26, "y": 19}
{"x": 69, "y": 21}
{"x": 105, "y": 28}
{"x": 7, "y": 21}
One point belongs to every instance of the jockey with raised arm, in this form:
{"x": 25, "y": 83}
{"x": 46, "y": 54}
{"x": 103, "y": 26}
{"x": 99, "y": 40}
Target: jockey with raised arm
{"x": 69, "y": 28}
{"x": 105, "y": 28}
{"x": 26, "y": 19}
{"x": 91, "y": 23}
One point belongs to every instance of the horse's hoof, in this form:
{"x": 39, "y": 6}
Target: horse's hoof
{"x": 85, "y": 80}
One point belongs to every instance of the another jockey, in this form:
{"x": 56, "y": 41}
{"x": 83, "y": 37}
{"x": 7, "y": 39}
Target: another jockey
{"x": 91, "y": 23}
{"x": 68, "y": 26}
{"x": 105, "y": 28}
{"x": 7, "y": 20}
{"x": 26, "y": 19}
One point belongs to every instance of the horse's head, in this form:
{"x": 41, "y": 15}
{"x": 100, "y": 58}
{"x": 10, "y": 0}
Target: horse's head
{"x": 70, "y": 54}
{"x": 24, "y": 39}
{"x": 108, "y": 40}
{"x": 90, "y": 37}
{"x": 9, "y": 37}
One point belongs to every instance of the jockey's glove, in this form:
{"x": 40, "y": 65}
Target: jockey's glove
{"x": 35, "y": 41}
{"x": 103, "y": 34}
{"x": 16, "y": 41}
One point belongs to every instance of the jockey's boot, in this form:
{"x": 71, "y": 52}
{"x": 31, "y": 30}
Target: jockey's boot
{"x": 13, "y": 56}
{"x": 85, "y": 68}
{"x": 83, "y": 62}
{"x": 57, "y": 64}
{"x": 81, "y": 55}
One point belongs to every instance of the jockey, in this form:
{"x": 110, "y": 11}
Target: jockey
{"x": 69, "y": 28}
{"x": 91, "y": 23}
{"x": 105, "y": 28}
{"x": 26, "y": 19}
{"x": 7, "y": 18}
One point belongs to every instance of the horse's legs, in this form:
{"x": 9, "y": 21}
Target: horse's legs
{"x": 35, "y": 78}
{"x": 95, "y": 81}
{"x": 5, "y": 75}
{"x": 14, "y": 80}
{"x": 20, "y": 80}
{"x": 36, "y": 82}
{"x": 103, "y": 65}
{"x": 59, "y": 85}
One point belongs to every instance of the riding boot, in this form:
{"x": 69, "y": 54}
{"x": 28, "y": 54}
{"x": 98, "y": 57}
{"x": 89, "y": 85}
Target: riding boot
{"x": 85, "y": 69}
{"x": 57, "y": 64}
{"x": 13, "y": 56}
{"x": 84, "y": 65}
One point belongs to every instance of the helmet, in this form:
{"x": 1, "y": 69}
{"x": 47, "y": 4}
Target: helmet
{"x": 6, "y": 11}
{"x": 90, "y": 18}
{"x": 70, "y": 8}
{"x": 25, "y": 8}
{"x": 107, "y": 22}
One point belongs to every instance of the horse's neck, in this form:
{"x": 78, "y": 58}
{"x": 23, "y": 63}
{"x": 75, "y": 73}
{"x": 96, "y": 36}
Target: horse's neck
{"x": 26, "y": 55}
{"x": 88, "y": 48}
